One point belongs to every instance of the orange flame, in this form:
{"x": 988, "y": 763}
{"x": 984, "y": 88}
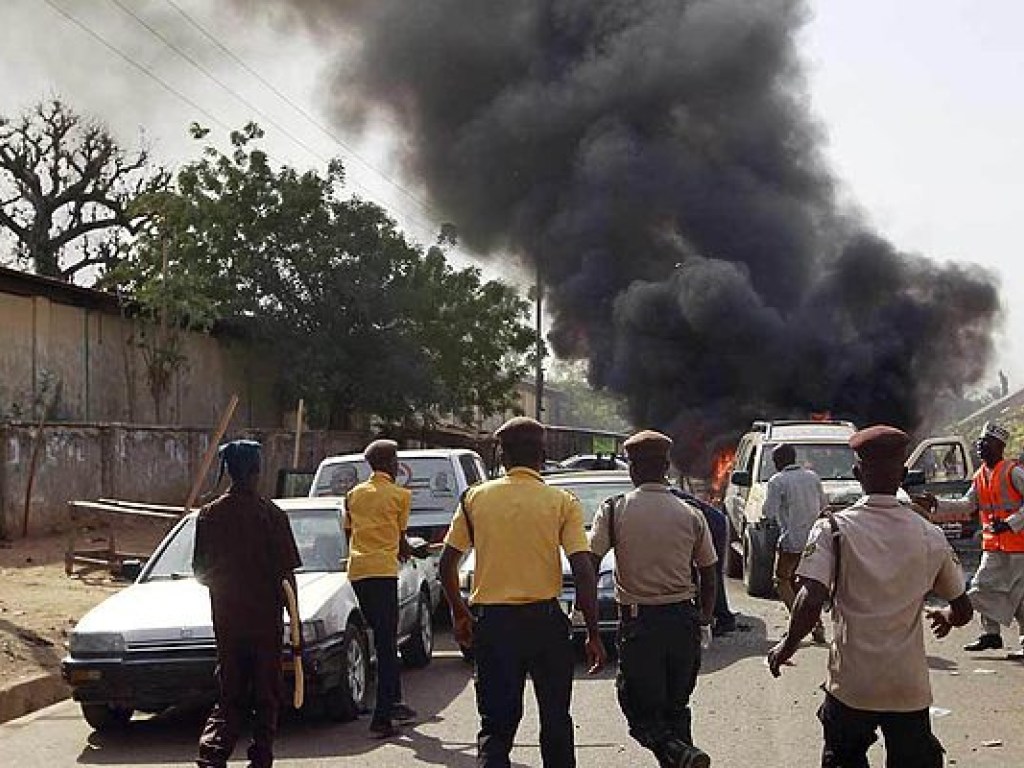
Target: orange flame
{"x": 720, "y": 468}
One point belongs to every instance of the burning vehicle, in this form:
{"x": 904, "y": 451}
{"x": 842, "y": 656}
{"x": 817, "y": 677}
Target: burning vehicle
{"x": 942, "y": 465}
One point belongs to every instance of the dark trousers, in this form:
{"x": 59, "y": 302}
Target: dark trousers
{"x": 250, "y": 682}
{"x": 659, "y": 657}
{"x": 378, "y": 599}
{"x": 509, "y": 643}
{"x": 849, "y": 732}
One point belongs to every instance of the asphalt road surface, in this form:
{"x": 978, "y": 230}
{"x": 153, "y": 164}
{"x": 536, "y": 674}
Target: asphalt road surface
{"x": 742, "y": 716}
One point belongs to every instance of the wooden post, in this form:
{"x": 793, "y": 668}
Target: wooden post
{"x": 298, "y": 433}
{"x": 211, "y": 451}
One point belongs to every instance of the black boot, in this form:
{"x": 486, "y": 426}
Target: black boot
{"x": 675, "y": 753}
{"x": 986, "y": 642}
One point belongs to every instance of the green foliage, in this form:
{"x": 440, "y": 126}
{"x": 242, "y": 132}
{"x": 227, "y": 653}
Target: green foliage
{"x": 359, "y": 319}
{"x": 588, "y": 407}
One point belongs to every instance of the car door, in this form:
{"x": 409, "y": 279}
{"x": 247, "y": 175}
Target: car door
{"x": 946, "y": 466}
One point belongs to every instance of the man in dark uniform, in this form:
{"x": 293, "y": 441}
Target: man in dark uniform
{"x": 244, "y": 549}
{"x": 517, "y": 526}
{"x": 658, "y": 539}
{"x": 878, "y": 560}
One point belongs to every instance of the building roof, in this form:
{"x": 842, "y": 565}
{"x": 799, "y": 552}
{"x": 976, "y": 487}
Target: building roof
{"x": 18, "y": 283}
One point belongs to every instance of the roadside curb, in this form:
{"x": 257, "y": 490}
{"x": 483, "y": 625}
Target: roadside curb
{"x": 27, "y": 696}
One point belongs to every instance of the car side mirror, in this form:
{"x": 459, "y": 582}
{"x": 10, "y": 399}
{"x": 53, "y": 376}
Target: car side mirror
{"x": 130, "y": 570}
{"x": 915, "y": 477}
{"x": 740, "y": 478}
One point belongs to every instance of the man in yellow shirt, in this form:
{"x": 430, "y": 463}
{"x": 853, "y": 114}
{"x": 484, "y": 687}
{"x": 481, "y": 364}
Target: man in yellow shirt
{"x": 518, "y": 527}
{"x": 376, "y": 517}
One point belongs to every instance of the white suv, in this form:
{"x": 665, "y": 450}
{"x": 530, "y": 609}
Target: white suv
{"x": 436, "y": 476}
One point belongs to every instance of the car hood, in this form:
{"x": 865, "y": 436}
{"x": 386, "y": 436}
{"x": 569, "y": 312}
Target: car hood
{"x": 152, "y": 609}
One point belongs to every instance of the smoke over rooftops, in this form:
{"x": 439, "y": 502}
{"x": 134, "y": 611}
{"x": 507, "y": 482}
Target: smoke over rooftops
{"x": 658, "y": 160}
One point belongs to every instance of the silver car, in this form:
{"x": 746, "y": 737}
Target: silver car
{"x": 151, "y": 646}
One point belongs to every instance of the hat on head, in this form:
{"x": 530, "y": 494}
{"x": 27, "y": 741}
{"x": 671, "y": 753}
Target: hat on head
{"x": 240, "y": 458}
{"x": 647, "y": 442}
{"x": 996, "y": 432}
{"x": 521, "y": 429}
{"x": 880, "y": 443}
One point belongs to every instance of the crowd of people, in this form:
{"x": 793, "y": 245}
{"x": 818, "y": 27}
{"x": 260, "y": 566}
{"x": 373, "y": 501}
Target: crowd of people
{"x": 872, "y": 565}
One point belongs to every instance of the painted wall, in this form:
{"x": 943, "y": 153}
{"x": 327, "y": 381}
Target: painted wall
{"x": 87, "y": 360}
{"x": 150, "y": 464}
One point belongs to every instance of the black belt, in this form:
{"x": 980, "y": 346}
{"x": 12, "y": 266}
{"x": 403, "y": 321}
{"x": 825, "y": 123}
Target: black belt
{"x": 540, "y": 608}
{"x": 634, "y": 611}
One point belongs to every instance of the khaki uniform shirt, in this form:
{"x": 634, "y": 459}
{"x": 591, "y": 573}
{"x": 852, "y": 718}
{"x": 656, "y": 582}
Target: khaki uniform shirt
{"x": 891, "y": 559}
{"x": 658, "y": 540}
{"x": 520, "y": 526}
{"x": 376, "y": 515}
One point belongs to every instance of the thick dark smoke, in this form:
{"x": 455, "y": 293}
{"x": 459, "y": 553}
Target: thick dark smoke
{"x": 658, "y": 161}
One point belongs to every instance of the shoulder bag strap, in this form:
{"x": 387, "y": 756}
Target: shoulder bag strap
{"x": 464, "y": 503}
{"x": 615, "y": 501}
{"x": 837, "y": 552}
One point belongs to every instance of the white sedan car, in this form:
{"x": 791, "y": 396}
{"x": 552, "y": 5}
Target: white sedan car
{"x": 151, "y": 646}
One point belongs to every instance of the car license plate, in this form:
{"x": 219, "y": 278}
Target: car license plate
{"x": 953, "y": 530}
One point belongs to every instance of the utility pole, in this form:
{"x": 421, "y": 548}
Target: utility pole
{"x": 539, "y": 382}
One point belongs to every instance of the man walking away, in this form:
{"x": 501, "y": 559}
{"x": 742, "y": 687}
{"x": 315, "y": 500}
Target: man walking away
{"x": 794, "y": 498}
{"x": 376, "y": 518}
{"x": 877, "y": 565}
{"x": 518, "y": 526}
{"x": 996, "y": 495}
{"x": 658, "y": 539}
{"x": 243, "y": 550}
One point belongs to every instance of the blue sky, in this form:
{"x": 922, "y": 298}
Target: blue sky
{"x": 918, "y": 99}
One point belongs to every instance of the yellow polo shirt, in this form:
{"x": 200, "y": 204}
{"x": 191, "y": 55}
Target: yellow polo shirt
{"x": 376, "y": 514}
{"x": 519, "y": 527}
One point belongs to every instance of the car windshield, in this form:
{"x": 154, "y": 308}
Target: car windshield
{"x": 832, "y": 461}
{"x": 593, "y": 493}
{"x": 317, "y": 534}
{"x": 430, "y": 478}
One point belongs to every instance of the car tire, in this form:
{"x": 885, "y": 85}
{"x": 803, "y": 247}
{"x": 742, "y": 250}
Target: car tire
{"x": 419, "y": 648}
{"x": 347, "y": 700}
{"x": 758, "y": 563}
{"x": 104, "y": 717}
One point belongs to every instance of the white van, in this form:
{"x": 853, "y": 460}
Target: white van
{"x": 436, "y": 476}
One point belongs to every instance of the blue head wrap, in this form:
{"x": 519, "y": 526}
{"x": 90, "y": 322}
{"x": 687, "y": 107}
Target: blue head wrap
{"x": 240, "y": 457}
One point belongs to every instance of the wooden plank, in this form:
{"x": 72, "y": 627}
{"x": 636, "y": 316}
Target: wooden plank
{"x": 114, "y": 509}
{"x": 177, "y": 511}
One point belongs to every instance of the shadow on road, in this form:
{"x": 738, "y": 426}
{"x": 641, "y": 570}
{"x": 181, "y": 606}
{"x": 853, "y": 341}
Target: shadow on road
{"x": 172, "y": 736}
{"x": 742, "y": 644}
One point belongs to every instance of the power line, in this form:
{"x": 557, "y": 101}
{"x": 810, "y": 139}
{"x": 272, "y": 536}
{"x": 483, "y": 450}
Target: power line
{"x": 144, "y": 70}
{"x": 325, "y": 129}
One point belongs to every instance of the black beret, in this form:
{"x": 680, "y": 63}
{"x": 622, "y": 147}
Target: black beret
{"x": 881, "y": 443}
{"x": 648, "y": 442}
{"x": 521, "y": 429}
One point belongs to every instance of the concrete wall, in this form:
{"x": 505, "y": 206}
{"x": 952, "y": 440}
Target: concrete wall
{"x": 151, "y": 464}
{"x": 98, "y": 373}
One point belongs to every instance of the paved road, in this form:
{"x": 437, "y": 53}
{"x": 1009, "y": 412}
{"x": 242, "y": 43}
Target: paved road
{"x": 743, "y": 717}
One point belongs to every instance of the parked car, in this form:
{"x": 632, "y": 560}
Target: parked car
{"x": 151, "y": 646}
{"x": 436, "y": 476}
{"x": 824, "y": 447}
{"x": 591, "y": 488}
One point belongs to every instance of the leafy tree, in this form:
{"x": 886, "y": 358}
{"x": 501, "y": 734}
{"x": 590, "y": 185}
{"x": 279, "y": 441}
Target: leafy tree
{"x": 588, "y": 407}
{"x": 360, "y": 319}
{"x": 68, "y": 191}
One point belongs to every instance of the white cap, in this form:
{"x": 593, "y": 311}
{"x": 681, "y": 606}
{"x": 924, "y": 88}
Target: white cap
{"x": 996, "y": 432}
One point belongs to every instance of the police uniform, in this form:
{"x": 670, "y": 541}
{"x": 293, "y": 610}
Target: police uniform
{"x": 997, "y": 590}
{"x": 376, "y": 518}
{"x": 658, "y": 539}
{"x": 517, "y": 526}
{"x": 243, "y": 550}
{"x": 890, "y": 560}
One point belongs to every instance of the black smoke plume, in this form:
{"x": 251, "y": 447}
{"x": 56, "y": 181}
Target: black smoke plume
{"x": 658, "y": 160}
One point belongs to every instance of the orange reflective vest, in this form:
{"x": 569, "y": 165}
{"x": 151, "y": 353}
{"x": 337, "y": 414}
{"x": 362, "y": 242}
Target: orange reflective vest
{"x": 997, "y": 500}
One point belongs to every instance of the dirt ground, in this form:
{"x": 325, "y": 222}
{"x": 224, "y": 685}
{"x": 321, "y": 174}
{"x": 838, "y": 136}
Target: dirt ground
{"x": 39, "y": 604}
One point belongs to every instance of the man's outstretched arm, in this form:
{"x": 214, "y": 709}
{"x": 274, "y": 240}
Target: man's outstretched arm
{"x": 806, "y": 613}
